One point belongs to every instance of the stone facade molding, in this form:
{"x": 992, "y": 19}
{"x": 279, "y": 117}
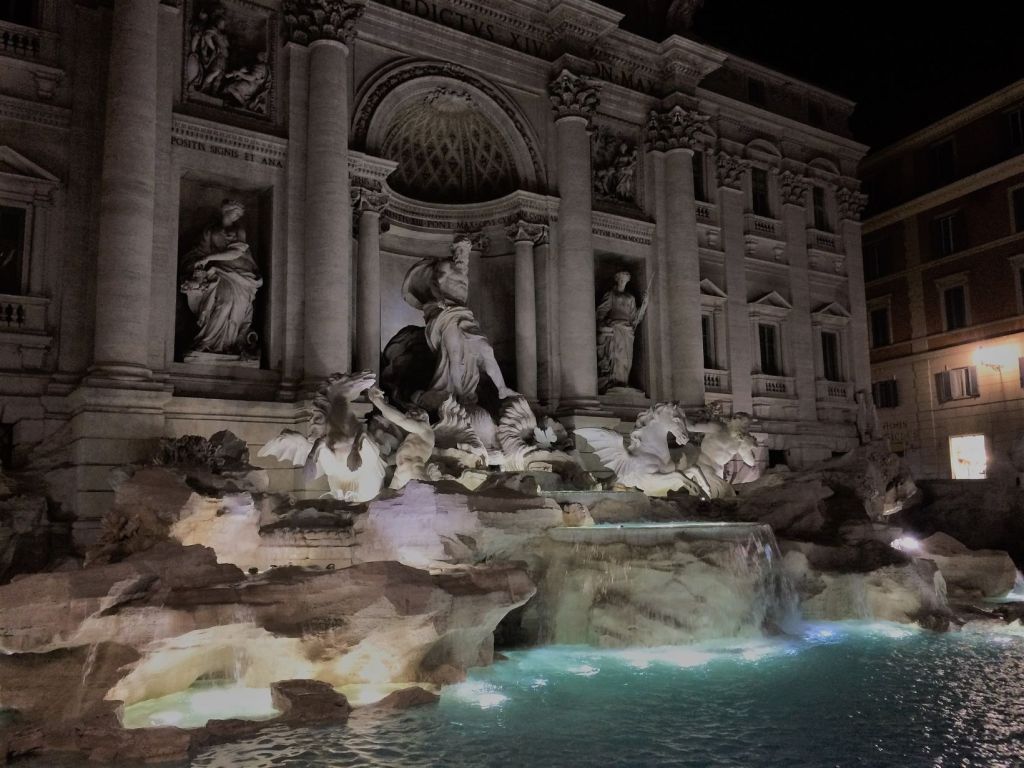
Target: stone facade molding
{"x": 730, "y": 170}
{"x": 46, "y": 115}
{"x": 793, "y": 188}
{"x": 219, "y": 139}
{"x": 503, "y": 212}
{"x": 573, "y": 95}
{"x": 679, "y": 128}
{"x": 623, "y": 228}
{"x": 307, "y": 21}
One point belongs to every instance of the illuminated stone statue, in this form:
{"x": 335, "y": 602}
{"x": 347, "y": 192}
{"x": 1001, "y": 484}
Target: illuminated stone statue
{"x": 617, "y": 319}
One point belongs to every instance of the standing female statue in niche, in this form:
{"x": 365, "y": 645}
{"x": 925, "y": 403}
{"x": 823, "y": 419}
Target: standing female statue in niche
{"x": 617, "y": 319}
{"x": 220, "y": 283}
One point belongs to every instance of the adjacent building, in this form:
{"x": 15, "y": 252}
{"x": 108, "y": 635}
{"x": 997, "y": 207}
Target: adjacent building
{"x": 944, "y": 268}
{"x": 329, "y": 145}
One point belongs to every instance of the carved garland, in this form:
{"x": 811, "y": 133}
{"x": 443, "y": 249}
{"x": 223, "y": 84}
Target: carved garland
{"x": 408, "y": 72}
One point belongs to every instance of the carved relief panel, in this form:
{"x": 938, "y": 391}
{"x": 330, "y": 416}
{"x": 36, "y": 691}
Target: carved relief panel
{"x": 615, "y": 165}
{"x": 228, "y": 59}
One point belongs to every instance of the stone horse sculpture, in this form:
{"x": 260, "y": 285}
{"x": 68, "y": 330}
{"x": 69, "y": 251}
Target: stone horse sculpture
{"x": 646, "y": 461}
{"x": 336, "y": 443}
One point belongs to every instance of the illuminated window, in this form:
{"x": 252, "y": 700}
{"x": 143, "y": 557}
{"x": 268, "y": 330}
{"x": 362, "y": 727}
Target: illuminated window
{"x": 968, "y": 459}
{"x": 957, "y": 384}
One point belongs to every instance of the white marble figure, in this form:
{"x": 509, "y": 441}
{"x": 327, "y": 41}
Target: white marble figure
{"x": 440, "y": 288}
{"x": 523, "y": 441}
{"x": 723, "y": 439}
{"x": 617, "y": 319}
{"x": 413, "y": 454}
{"x": 220, "y": 280}
{"x": 336, "y": 443}
{"x": 646, "y": 461}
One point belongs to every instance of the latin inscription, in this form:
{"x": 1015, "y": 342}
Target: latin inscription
{"x": 232, "y": 152}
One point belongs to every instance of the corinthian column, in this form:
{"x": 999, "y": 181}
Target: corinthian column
{"x": 525, "y": 235}
{"x": 328, "y": 28}
{"x": 367, "y": 206}
{"x": 678, "y": 133}
{"x": 794, "y": 190}
{"x": 125, "y": 259}
{"x": 851, "y": 205}
{"x": 574, "y": 99}
{"x": 730, "y": 172}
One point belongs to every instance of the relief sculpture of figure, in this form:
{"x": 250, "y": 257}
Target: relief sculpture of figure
{"x": 723, "y": 440}
{"x": 440, "y": 288}
{"x": 617, "y": 319}
{"x": 248, "y": 87}
{"x": 413, "y": 455}
{"x": 220, "y": 280}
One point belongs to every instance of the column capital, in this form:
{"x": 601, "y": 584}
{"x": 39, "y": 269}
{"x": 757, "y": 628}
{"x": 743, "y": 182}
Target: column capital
{"x": 851, "y": 203}
{"x": 678, "y": 128}
{"x": 730, "y": 169}
{"x": 306, "y": 21}
{"x": 481, "y": 243}
{"x": 527, "y": 231}
{"x": 366, "y": 198}
{"x": 793, "y": 188}
{"x": 573, "y": 96}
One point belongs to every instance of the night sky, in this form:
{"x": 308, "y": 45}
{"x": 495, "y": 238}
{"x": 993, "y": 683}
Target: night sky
{"x": 906, "y": 62}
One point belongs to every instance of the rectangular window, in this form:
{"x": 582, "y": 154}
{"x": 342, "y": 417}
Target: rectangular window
{"x": 707, "y": 332}
{"x": 699, "y": 190}
{"x": 759, "y": 191}
{"x": 755, "y": 91}
{"x": 957, "y": 384}
{"x": 876, "y": 258}
{"x": 1015, "y": 130}
{"x": 768, "y": 342}
{"x": 830, "y": 356}
{"x": 12, "y": 249}
{"x": 948, "y": 234}
{"x": 1017, "y": 205}
{"x": 881, "y": 327}
{"x": 954, "y": 301}
{"x": 968, "y": 458}
{"x": 820, "y": 212}
{"x": 941, "y": 168}
{"x": 886, "y": 393}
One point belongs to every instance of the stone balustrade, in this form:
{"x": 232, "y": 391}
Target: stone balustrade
{"x": 765, "y": 385}
{"x": 27, "y": 42}
{"x": 716, "y": 380}
{"x": 762, "y": 226}
{"x": 835, "y": 390}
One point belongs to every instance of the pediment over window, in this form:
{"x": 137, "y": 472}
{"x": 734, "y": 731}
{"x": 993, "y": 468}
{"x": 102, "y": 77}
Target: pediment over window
{"x": 711, "y": 294}
{"x": 21, "y": 178}
{"x": 831, "y": 314}
{"x": 770, "y": 304}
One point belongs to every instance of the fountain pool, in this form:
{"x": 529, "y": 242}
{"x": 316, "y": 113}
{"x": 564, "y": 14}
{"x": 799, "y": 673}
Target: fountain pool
{"x": 842, "y": 694}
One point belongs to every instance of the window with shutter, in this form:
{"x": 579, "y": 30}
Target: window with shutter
{"x": 956, "y": 384}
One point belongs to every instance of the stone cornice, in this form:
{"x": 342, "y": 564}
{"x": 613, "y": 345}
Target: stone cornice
{"x": 948, "y": 193}
{"x": 306, "y": 21}
{"x": 575, "y": 25}
{"x": 685, "y": 63}
{"x": 368, "y": 172}
{"x": 472, "y": 217}
{"x": 623, "y": 228}
{"x": 47, "y": 115}
{"x": 573, "y": 96}
{"x": 678, "y": 128}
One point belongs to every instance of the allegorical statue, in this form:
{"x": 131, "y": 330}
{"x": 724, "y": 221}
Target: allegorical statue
{"x": 413, "y": 454}
{"x": 617, "y": 319}
{"x": 220, "y": 279}
{"x": 723, "y": 440}
{"x": 440, "y": 289}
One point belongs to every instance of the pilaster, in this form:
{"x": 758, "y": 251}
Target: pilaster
{"x": 525, "y": 235}
{"x": 794, "y": 190}
{"x": 851, "y": 206}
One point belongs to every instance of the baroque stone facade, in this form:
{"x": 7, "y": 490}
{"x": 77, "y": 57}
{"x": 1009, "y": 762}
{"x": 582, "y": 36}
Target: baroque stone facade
{"x": 362, "y": 138}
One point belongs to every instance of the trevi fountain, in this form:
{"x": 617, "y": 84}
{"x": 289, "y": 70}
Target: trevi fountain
{"x": 476, "y": 589}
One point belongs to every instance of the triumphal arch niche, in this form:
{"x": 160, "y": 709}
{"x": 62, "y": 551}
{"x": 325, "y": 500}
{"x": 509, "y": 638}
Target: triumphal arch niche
{"x": 455, "y": 168}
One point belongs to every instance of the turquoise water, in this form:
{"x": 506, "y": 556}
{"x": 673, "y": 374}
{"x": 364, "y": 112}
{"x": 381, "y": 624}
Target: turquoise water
{"x": 873, "y": 695}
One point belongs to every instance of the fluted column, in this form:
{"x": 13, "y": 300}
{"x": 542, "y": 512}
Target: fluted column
{"x": 729, "y": 173}
{"x": 851, "y": 206}
{"x": 574, "y": 99}
{"x": 678, "y": 133}
{"x": 367, "y": 206}
{"x": 327, "y": 27}
{"x": 525, "y": 235}
{"x": 794, "y": 190}
{"x": 125, "y": 258}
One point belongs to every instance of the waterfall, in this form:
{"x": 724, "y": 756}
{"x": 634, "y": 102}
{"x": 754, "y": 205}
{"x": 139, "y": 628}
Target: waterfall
{"x": 662, "y": 584}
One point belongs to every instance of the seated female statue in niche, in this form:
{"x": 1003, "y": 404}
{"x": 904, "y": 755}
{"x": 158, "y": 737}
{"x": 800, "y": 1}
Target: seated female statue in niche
{"x": 220, "y": 280}
{"x": 440, "y": 288}
{"x": 617, "y": 319}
